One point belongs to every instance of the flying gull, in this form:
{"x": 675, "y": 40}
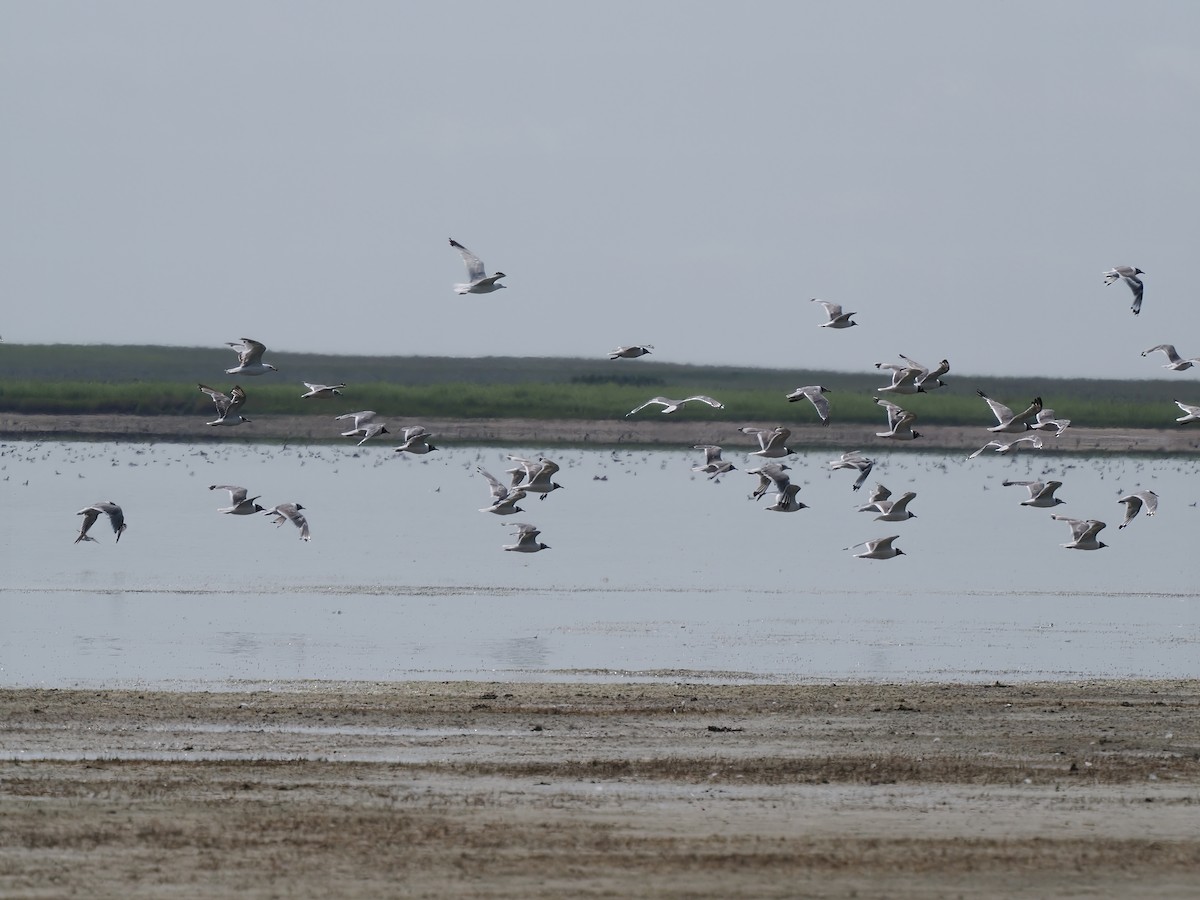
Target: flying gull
{"x": 91, "y": 513}
{"x": 630, "y": 352}
{"x": 250, "y": 354}
{"x": 290, "y": 512}
{"x": 1135, "y": 502}
{"x": 1174, "y": 362}
{"x": 1033, "y": 440}
{"x": 771, "y": 442}
{"x": 899, "y": 422}
{"x": 834, "y": 317}
{"x": 1009, "y": 422}
{"x": 363, "y": 424}
{"x": 527, "y": 541}
{"x": 1129, "y": 275}
{"x": 481, "y": 282}
{"x": 227, "y": 405}
{"x": 321, "y": 390}
{"x": 671, "y": 405}
{"x": 504, "y": 498}
{"x": 242, "y": 505}
{"x": 416, "y": 440}
{"x": 713, "y": 465}
{"x": 854, "y": 460}
{"x": 1083, "y": 532}
{"x": 814, "y": 394}
{"x": 1041, "y": 494}
{"x": 535, "y": 475}
{"x": 881, "y": 548}
{"x": 1190, "y": 413}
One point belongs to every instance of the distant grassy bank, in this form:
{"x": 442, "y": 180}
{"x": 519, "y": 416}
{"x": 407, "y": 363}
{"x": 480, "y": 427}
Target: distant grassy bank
{"x": 161, "y": 381}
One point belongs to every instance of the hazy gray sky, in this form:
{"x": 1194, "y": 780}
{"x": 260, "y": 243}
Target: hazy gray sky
{"x": 686, "y": 174}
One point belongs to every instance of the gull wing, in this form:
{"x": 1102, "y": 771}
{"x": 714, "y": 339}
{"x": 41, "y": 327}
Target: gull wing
{"x": 524, "y": 529}
{"x": 1151, "y": 500}
{"x": 905, "y": 375}
{"x": 833, "y": 310}
{"x": 1079, "y": 527}
{"x": 499, "y": 491}
{"x": 895, "y": 414}
{"x": 236, "y": 494}
{"x": 221, "y": 400}
{"x": 778, "y": 438}
{"x": 249, "y": 351}
{"x": 543, "y": 470}
{"x": 661, "y": 401}
{"x": 768, "y": 474}
{"x": 237, "y": 399}
{"x": 815, "y": 395}
{"x": 990, "y": 445}
{"x": 1168, "y": 349}
{"x": 360, "y": 418}
{"x": 999, "y": 410}
{"x": 475, "y": 267}
{"x": 1135, "y": 285}
{"x": 90, "y": 515}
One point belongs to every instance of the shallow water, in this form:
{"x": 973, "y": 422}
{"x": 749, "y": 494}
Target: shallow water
{"x": 653, "y": 573}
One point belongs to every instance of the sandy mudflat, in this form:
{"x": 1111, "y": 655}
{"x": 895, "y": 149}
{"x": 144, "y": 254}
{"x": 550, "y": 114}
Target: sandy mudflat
{"x": 603, "y": 790}
{"x": 682, "y": 434}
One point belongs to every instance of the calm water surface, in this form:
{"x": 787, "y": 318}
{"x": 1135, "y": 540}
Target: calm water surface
{"x": 654, "y": 572}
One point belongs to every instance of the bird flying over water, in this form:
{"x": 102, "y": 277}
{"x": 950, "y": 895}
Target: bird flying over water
{"x": 242, "y": 505}
{"x": 1083, "y": 532}
{"x": 416, "y": 440}
{"x": 713, "y": 465}
{"x": 91, "y": 513}
{"x": 527, "y": 541}
{"x": 880, "y": 548}
{"x": 1135, "y": 502}
{"x": 533, "y": 475}
{"x": 854, "y": 460}
{"x": 771, "y": 441}
{"x": 504, "y": 498}
{"x": 290, "y": 512}
{"x": 1041, "y": 494}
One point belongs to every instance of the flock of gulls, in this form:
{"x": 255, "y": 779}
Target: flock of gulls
{"x": 536, "y": 476}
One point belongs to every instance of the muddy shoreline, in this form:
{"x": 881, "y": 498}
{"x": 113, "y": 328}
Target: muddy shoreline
{"x": 585, "y": 790}
{"x": 578, "y": 432}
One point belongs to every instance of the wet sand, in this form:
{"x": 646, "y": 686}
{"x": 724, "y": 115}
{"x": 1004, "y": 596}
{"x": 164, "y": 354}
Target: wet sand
{"x": 603, "y": 790}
